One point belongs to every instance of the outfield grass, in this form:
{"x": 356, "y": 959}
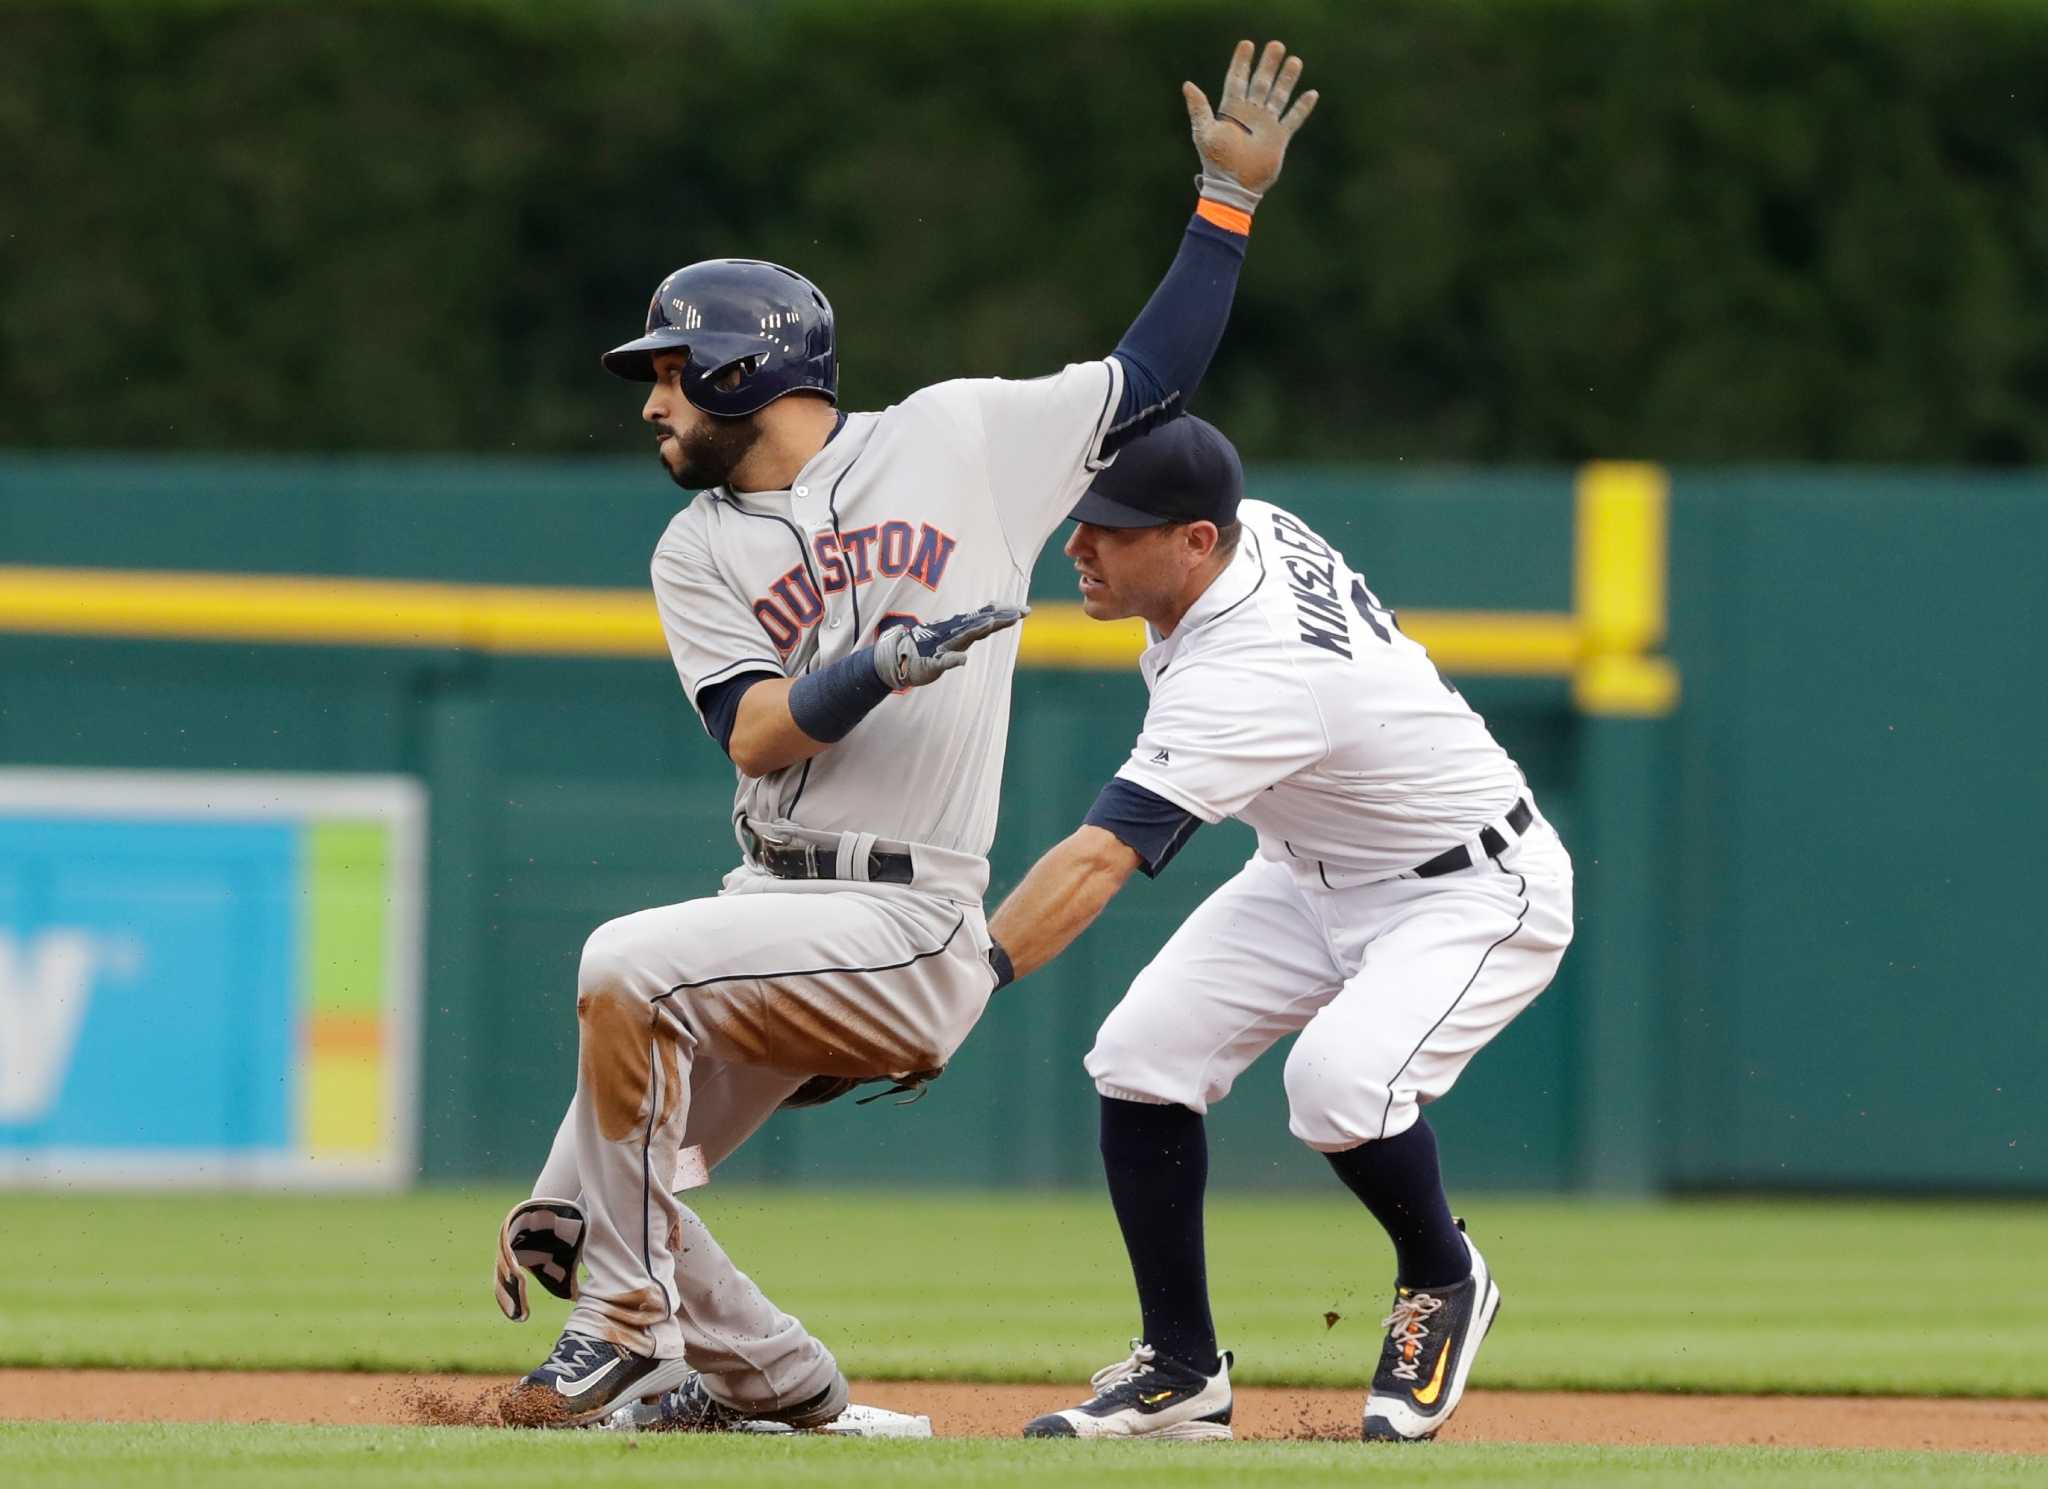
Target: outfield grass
{"x": 1850, "y": 1296}
{"x": 106, "y": 1457}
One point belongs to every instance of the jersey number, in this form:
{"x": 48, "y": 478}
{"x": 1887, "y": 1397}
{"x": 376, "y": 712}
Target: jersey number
{"x": 1370, "y": 610}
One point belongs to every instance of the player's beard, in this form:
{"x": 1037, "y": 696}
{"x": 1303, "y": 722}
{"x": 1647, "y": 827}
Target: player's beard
{"x": 711, "y": 451}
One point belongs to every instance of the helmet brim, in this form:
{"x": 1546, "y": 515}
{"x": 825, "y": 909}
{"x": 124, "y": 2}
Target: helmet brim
{"x": 710, "y": 351}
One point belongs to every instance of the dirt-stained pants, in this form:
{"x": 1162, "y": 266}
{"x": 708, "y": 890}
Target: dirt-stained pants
{"x": 695, "y": 1021}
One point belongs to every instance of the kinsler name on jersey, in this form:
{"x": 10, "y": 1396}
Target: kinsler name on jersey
{"x": 1317, "y": 605}
{"x": 891, "y": 549}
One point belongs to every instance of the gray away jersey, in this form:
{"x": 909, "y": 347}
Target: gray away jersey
{"x": 935, "y": 506}
{"x": 1288, "y": 698}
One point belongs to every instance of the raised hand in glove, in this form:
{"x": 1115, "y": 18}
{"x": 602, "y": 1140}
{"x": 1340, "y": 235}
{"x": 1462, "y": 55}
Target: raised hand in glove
{"x": 911, "y": 656}
{"x": 1243, "y": 142}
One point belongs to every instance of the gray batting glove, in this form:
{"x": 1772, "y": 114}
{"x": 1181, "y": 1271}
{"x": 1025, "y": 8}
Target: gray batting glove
{"x": 911, "y": 656}
{"x": 1243, "y": 143}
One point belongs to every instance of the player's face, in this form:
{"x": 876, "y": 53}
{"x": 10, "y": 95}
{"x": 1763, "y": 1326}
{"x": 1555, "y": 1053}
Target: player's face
{"x": 698, "y": 450}
{"x": 1128, "y": 571}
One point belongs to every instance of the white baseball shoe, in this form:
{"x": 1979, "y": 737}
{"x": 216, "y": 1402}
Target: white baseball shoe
{"x": 1433, "y": 1336}
{"x": 1147, "y": 1395}
{"x": 691, "y": 1407}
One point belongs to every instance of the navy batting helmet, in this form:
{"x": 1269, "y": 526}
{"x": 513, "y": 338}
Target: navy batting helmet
{"x": 769, "y": 322}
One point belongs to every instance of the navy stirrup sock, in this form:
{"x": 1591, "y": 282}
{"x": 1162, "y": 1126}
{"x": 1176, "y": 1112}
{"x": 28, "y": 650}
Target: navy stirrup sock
{"x": 1156, "y": 1159}
{"x": 1398, "y": 1180}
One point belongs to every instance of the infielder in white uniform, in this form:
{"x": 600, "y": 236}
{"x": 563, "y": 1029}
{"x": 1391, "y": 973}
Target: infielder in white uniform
{"x": 814, "y": 593}
{"x": 1405, "y": 902}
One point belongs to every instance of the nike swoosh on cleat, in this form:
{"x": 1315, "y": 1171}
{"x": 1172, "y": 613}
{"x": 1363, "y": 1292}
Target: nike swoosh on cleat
{"x": 1156, "y": 1397}
{"x": 1428, "y": 1394}
{"x": 583, "y": 1385}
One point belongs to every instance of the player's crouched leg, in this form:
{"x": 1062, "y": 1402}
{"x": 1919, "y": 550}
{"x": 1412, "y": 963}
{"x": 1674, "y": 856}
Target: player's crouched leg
{"x": 617, "y": 979}
{"x": 1136, "y": 1057}
{"x": 652, "y": 961}
{"x": 1334, "y": 1099}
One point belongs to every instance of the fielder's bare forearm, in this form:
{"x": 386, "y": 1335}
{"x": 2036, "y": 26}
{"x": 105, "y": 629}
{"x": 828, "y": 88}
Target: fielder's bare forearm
{"x": 1060, "y": 897}
{"x": 765, "y": 737}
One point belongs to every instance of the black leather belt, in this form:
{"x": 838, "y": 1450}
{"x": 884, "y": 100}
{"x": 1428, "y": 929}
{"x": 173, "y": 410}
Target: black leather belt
{"x": 806, "y": 861}
{"x": 1452, "y": 859}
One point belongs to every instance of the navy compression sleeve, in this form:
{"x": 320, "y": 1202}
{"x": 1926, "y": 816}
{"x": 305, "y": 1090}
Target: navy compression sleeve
{"x": 720, "y": 705}
{"x": 1150, "y": 826}
{"x": 826, "y": 704}
{"x": 1169, "y": 345}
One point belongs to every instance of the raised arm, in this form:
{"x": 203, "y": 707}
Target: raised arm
{"x": 1241, "y": 144}
{"x": 1046, "y": 437}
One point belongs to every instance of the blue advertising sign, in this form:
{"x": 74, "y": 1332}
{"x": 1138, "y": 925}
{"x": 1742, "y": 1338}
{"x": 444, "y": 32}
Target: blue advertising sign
{"x": 207, "y": 977}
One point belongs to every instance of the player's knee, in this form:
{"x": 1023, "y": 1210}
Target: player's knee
{"x": 1327, "y": 1093}
{"x": 1114, "y": 1056}
{"x": 1127, "y": 1062}
{"x": 607, "y": 967}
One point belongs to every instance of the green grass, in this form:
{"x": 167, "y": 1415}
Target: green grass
{"x": 100, "y": 1457}
{"x": 1814, "y": 1296}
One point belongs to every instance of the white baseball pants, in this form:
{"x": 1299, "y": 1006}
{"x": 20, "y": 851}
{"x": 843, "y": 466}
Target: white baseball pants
{"x": 695, "y": 1022}
{"x": 1393, "y": 986}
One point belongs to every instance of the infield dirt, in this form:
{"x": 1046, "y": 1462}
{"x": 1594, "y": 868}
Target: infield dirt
{"x": 960, "y": 1409}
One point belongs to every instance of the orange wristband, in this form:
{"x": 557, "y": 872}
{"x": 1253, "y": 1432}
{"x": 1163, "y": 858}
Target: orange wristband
{"x": 1230, "y": 219}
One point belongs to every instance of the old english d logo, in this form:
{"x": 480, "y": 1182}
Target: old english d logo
{"x": 1428, "y": 1394}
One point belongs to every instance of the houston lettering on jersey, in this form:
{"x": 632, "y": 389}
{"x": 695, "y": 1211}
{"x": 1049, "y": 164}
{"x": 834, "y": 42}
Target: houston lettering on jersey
{"x": 861, "y": 555}
{"x": 1311, "y": 572}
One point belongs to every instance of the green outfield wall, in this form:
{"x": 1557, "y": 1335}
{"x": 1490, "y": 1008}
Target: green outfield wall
{"x": 1807, "y": 895}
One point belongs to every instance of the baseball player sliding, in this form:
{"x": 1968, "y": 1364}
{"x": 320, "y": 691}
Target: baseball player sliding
{"x": 831, "y": 570}
{"x": 1405, "y": 902}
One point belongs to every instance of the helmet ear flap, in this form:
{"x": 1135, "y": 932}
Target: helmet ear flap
{"x": 733, "y": 375}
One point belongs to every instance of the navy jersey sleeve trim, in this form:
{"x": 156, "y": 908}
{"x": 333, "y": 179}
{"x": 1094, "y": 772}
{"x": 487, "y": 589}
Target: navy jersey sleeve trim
{"x": 1168, "y": 347}
{"x": 1150, "y": 826}
{"x": 720, "y": 705}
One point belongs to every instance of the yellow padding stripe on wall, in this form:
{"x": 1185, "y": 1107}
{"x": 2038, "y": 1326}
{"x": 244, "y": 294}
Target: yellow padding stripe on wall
{"x": 331, "y": 612}
{"x": 536, "y": 621}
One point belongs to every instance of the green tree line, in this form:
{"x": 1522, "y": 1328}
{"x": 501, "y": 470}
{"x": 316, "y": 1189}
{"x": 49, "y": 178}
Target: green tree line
{"x": 1519, "y": 230}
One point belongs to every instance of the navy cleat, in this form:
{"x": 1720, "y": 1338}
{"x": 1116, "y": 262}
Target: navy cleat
{"x": 1433, "y": 1336}
{"x": 582, "y": 1379}
{"x": 1147, "y": 1395}
{"x": 691, "y": 1407}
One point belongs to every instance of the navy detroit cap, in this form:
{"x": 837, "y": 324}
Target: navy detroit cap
{"x": 1183, "y": 471}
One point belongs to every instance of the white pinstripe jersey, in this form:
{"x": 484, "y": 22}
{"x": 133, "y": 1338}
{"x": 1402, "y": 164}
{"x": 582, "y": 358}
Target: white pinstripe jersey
{"x": 935, "y": 506}
{"x": 1290, "y": 699}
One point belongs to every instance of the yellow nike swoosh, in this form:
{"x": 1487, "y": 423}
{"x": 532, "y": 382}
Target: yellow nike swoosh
{"x": 1156, "y": 1397}
{"x": 1428, "y": 1394}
